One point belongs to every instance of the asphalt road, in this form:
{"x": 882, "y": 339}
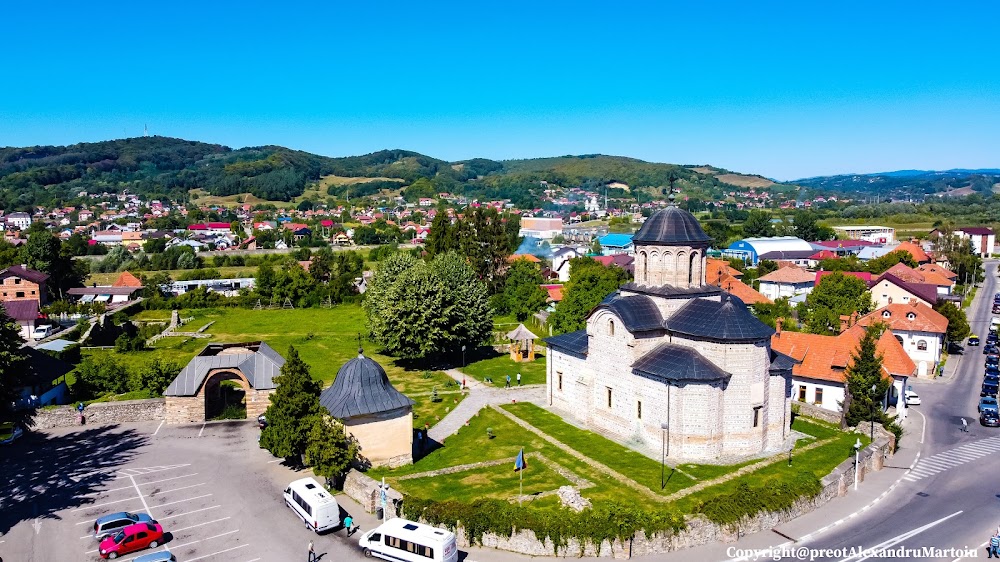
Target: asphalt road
{"x": 217, "y": 495}
{"x": 952, "y": 498}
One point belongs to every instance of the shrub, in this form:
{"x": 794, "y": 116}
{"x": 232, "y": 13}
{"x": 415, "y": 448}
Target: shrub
{"x": 154, "y": 377}
{"x": 745, "y": 501}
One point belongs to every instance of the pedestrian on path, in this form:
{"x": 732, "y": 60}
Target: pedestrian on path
{"x": 994, "y": 549}
{"x": 965, "y": 425}
{"x": 508, "y": 382}
{"x": 349, "y": 524}
{"x": 420, "y": 441}
{"x": 519, "y": 378}
{"x": 312, "y": 553}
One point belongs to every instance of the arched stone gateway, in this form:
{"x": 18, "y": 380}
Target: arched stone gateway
{"x": 197, "y": 393}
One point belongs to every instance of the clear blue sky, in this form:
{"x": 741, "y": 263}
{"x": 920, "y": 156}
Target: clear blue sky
{"x": 781, "y": 89}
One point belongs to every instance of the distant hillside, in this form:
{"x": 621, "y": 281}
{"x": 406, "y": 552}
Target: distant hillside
{"x": 908, "y": 183}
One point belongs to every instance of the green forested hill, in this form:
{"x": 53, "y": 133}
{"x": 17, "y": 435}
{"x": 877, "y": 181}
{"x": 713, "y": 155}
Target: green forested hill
{"x": 169, "y": 168}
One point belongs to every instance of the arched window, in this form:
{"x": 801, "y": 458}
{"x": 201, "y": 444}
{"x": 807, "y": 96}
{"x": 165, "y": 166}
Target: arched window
{"x": 922, "y": 345}
{"x": 694, "y": 256}
{"x": 900, "y": 340}
{"x": 886, "y": 314}
{"x": 910, "y": 316}
{"x": 611, "y": 327}
{"x": 645, "y": 268}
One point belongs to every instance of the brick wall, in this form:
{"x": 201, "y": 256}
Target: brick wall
{"x": 102, "y": 413}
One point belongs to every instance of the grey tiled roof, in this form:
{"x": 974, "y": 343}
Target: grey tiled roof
{"x": 669, "y": 291}
{"x": 259, "y": 367}
{"x": 574, "y": 343}
{"x": 361, "y": 388}
{"x": 727, "y": 320}
{"x": 638, "y": 312}
{"x": 781, "y": 362}
{"x": 672, "y": 226}
{"x": 677, "y": 363}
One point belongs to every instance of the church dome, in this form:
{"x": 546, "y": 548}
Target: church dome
{"x": 671, "y": 227}
{"x": 724, "y": 321}
{"x": 361, "y": 388}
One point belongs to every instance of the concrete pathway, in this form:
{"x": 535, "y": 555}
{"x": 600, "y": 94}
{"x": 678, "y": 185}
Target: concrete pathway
{"x": 479, "y": 395}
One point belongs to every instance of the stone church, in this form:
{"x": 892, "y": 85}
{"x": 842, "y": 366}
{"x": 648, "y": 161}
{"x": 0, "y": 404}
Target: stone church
{"x": 672, "y": 362}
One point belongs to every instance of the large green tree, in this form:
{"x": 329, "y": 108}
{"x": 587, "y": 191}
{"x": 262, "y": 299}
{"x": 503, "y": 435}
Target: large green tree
{"x": 589, "y": 283}
{"x": 44, "y": 252}
{"x": 13, "y": 363}
{"x": 329, "y": 451}
{"x": 758, "y": 224}
{"x": 958, "y": 324}
{"x": 864, "y": 381}
{"x": 807, "y": 228}
{"x": 880, "y": 264}
{"x": 441, "y": 238}
{"x": 835, "y": 295}
{"x": 961, "y": 259}
{"x": 294, "y": 407}
{"x": 418, "y": 309}
{"x": 522, "y": 293}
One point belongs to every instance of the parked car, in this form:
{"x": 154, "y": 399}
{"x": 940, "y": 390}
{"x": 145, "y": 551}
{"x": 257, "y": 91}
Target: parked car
{"x": 41, "y": 332}
{"x": 988, "y": 403}
{"x": 992, "y": 360}
{"x": 912, "y": 398}
{"x": 10, "y": 433}
{"x": 991, "y": 373}
{"x": 989, "y": 418}
{"x": 132, "y": 538}
{"x": 989, "y": 389}
{"x": 973, "y": 340}
{"x": 990, "y": 349}
{"x": 161, "y": 556}
{"x": 113, "y": 522}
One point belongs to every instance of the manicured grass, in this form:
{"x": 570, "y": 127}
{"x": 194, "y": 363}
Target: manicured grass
{"x": 637, "y": 466}
{"x": 498, "y": 481}
{"x": 497, "y": 368}
{"x": 817, "y": 428}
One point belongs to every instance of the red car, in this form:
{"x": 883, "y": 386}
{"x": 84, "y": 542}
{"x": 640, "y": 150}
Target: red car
{"x": 132, "y": 538}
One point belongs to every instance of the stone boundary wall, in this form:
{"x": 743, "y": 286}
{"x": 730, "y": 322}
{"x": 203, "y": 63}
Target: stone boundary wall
{"x": 699, "y": 531}
{"x": 813, "y": 411}
{"x": 365, "y": 490}
{"x": 102, "y": 413}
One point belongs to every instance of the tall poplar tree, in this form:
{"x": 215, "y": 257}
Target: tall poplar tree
{"x": 13, "y": 360}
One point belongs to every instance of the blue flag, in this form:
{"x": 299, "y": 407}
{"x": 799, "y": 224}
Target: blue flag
{"x": 520, "y": 463}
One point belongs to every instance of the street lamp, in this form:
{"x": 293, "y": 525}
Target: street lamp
{"x": 857, "y": 450}
{"x": 663, "y": 453}
{"x": 872, "y": 413}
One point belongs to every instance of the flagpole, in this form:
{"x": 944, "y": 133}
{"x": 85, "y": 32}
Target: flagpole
{"x": 521, "y": 495}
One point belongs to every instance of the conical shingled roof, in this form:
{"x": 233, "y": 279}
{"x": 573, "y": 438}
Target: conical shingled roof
{"x": 361, "y": 388}
{"x": 727, "y": 320}
{"x": 672, "y": 227}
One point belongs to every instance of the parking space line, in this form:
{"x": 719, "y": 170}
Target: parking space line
{"x": 182, "y": 501}
{"x": 159, "y": 426}
{"x": 181, "y": 488}
{"x": 140, "y": 483}
{"x": 190, "y": 512}
{"x": 146, "y": 505}
{"x": 202, "y": 430}
{"x": 168, "y": 479}
{"x": 198, "y": 525}
{"x": 219, "y": 552}
{"x": 91, "y": 506}
{"x": 221, "y": 535}
{"x": 209, "y": 538}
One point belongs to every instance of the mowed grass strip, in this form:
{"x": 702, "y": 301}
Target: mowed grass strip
{"x": 499, "y": 481}
{"x": 635, "y": 465}
{"x": 497, "y": 368}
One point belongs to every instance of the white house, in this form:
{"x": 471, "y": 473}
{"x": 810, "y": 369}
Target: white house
{"x": 787, "y": 281}
{"x": 541, "y": 227}
{"x": 919, "y": 328}
{"x": 983, "y": 239}
{"x": 19, "y": 220}
{"x": 560, "y": 260}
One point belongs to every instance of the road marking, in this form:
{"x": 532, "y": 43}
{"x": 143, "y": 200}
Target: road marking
{"x": 197, "y": 525}
{"x": 146, "y": 505}
{"x": 274, "y": 461}
{"x": 202, "y": 430}
{"x": 953, "y": 458}
{"x": 91, "y": 506}
{"x": 898, "y": 539}
{"x": 179, "y": 489}
{"x": 923, "y": 426}
{"x": 141, "y": 484}
{"x": 984, "y": 545}
{"x": 219, "y": 552}
{"x": 190, "y": 512}
{"x": 159, "y": 426}
{"x": 182, "y": 501}
{"x": 209, "y": 538}
{"x": 221, "y": 535}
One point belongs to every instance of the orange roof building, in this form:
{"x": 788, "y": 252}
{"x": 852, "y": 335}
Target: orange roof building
{"x": 919, "y": 328}
{"x": 935, "y": 268}
{"x": 528, "y": 257}
{"x": 787, "y": 281}
{"x": 126, "y": 279}
{"x": 822, "y": 362}
{"x": 739, "y": 289}
{"x": 918, "y": 253}
{"x": 716, "y": 269}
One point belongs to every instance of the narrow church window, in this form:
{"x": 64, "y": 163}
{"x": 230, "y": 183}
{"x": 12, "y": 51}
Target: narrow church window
{"x": 609, "y": 396}
{"x": 756, "y": 416}
{"x": 559, "y": 375}
{"x": 638, "y": 411}
{"x": 611, "y": 327}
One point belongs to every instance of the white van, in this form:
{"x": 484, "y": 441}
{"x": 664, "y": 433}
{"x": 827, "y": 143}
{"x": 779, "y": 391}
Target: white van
{"x": 313, "y": 504}
{"x": 399, "y": 539}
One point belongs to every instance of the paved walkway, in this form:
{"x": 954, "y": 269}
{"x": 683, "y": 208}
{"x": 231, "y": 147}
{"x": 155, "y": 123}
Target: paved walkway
{"x": 479, "y": 395}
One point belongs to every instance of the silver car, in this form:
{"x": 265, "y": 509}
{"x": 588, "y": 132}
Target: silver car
{"x": 113, "y": 522}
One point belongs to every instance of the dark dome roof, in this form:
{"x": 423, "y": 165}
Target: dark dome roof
{"x": 671, "y": 227}
{"x": 638, "y": 312}
{"x": 727, "y": 320}
{"x": 361, "y": 388}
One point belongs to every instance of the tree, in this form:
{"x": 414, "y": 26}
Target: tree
{"x": 441, "y": 238}
{"x": 329, "y": 451}
{"x": 154, "y": 377}
{"x": 961, "y": 259}
{"x": 13, "y": 366}
{"x": 881, "y": 264}
{"x": 757, "y": 225}
{"x": 835, "y": 295}
{"x": 589, "y": 283}
{"x": 294, "y": 405}
{"x": 100, "y": 374}
{"x": 417, "y": 309}
{"x": 865, "y": 372}
{"x": 806, "y": 227}
{"x": 958, "y": 324}
{"x": 44, "y": 252}
{"x": 523, "y": 294}
{"x": 265, "y": 280}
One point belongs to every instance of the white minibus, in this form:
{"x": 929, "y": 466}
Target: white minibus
{"x": 313, "y": 504}
{"x": 399, "y": 539}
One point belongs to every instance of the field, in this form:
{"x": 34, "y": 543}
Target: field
{"x": 325, "y": 339}
{"x": 226, "y": 272}
{"x": 741, "y": 180}
{"x": 315, "y": 191}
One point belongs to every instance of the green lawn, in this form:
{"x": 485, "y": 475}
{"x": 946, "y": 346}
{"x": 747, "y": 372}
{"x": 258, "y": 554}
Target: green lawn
{"x": 325, "y": 339}
{"x": 499, "y": 481}
{"x": 497, "y": 368}
{"x": 635, "y": 465}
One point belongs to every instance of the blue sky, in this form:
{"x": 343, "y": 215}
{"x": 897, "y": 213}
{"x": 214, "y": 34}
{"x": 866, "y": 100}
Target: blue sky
{"x": 785, "y": 90}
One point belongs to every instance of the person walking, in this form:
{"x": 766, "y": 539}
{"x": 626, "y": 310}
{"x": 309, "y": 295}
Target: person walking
{"x": 519, "y": 378}
{"x": 312, "y": 553}
{"x": 349, "y": 524}
{"x": 965, "y": 425}
{"x": 508, "y": 382}
{"x": 994, "y": 550}
{"x": 420, "y": 441}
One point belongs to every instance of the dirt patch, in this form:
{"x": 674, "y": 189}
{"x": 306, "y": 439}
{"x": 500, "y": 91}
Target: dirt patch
{"x": 745, "y": 181}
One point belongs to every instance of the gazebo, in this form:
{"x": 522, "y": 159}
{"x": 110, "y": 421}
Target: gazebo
{"x": 522, "y": 344}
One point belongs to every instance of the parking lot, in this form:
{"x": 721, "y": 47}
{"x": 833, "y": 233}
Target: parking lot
{"x": 216, "y": 494}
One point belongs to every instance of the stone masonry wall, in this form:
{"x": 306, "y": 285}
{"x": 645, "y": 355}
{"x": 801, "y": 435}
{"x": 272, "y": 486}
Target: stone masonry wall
{"x": 102, "y": 413}
{"x": 818, "y": 412}
{"x": 365, "y": 490}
